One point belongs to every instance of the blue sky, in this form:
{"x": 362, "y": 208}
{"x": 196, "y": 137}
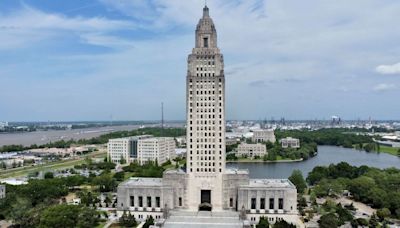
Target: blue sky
{"x": 93, "y": 59}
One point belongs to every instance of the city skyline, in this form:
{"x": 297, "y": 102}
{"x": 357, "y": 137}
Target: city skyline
{"x": 68, "y": 61}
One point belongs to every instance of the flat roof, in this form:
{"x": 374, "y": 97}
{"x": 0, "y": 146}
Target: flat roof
{"x": 236, "y": 171}
{"x": 142, "y": 181}
{"x": 271, "y": 183}
{"x": 180, "y": 171}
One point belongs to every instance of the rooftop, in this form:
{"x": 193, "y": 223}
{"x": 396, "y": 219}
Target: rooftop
{"x": 271, "y": 183}
{"x": 142, "y": 181}
{"x": 132, "y": 138}
{"x": 236, "y": 171}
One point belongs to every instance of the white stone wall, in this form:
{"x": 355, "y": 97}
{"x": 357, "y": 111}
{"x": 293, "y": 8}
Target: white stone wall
{"x": 290, "y": 142}
{"x": 251, "y": 150}
{"x": 118, "y": 148}
{"x": 264, "y": 136}
{"x": 152, "y": 149}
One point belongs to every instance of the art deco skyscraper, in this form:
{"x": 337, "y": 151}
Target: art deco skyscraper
{"x": 205, "y": 114}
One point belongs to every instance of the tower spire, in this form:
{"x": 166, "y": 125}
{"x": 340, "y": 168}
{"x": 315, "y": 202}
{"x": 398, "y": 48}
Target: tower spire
{"x": 205, "y": 10}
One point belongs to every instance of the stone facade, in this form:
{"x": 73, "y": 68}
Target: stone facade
{"x": 290, "y": 142}
{"x": 206, "y": 184}
{"x": 251, "y": 150}
{"x": 159, "y": 149}
{"x": 265, "y": 135}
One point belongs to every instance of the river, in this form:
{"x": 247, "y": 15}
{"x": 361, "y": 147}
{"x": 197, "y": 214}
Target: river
{"x": 326, "y": 155}
{"x": 43, "y": 137}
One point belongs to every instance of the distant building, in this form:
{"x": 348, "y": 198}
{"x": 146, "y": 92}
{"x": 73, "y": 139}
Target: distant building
{"x": 251, "y": 150}
{"x": 141, "y": 149}
{"x": 156, "y": 149}
{"x": 124, "y": 148}
{"x": 231, "y": 141}
{"x": 264, "y": 135}
{"x": 290, "y": 142}
{"x": 2, "y": 191}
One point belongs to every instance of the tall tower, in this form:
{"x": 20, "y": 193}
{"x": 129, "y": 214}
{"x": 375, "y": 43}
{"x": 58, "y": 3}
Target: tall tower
{"x": 205, "y": 88}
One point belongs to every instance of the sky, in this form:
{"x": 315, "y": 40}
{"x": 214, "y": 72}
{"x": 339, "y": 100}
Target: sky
{"x": 119, "y": 59}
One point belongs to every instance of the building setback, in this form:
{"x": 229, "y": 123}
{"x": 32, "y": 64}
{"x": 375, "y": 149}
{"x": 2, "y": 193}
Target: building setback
{"x": 206, "y": 184}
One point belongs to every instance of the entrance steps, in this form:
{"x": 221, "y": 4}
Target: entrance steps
{"x": 209, "y": 219}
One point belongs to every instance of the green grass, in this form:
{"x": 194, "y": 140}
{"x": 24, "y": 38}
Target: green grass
{"x": 389, "y": 150}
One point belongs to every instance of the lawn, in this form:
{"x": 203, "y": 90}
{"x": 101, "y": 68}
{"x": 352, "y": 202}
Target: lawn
{"x": 389, "y": 150}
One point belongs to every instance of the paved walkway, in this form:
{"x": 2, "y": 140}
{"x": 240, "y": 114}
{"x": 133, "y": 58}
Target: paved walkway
{"x": 184, "y": 219}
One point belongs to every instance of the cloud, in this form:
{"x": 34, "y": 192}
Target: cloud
{"x": 388, "y": 69}
{"x": 384, "y": 87}
{"x": 28, "y": 25}
{"x": 298, "y": 54}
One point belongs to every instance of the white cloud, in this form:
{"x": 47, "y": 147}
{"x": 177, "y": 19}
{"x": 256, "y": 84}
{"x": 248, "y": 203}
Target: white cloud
{"x": 384, "y": 87}
{"x": 388, "y": 69}
{"x": 28, "y": 25}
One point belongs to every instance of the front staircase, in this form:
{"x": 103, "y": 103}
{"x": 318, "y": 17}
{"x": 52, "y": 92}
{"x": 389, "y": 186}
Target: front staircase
{"x": 208, "y": 219}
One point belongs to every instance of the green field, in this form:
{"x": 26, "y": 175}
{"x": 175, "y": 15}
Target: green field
{"x": 389, "y": 150}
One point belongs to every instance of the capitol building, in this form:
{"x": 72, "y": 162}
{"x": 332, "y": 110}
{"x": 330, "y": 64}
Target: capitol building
{"x": 207, "y": 190}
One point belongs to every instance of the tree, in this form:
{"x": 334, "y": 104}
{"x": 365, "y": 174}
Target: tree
{"x": 122, "y": 160}
{"x": 19, "y": 210}
{"x": 107, "y": 200}
{"x": 149, "y": 221}
{"x": 63, "y": 215}
{"x": 344, "y": 214}
{"x": 119, "y": 176}
{"x": 105, "y": 183}
{"x": 263, "y": 223}
{"x": 328, "y": 221}
{"x": 127, "y": 220}
{"x": 48, "y": 175}
{"x": 383, "y": 213}
{"x": 373, "y": 221}
{"x": 283, "y": 224}
{"x": 297, "y": 179}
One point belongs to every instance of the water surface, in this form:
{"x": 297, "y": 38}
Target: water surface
{"x": 326, "y": 155}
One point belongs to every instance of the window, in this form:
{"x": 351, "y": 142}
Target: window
{"x": 271, "y": 203}
{"x": 140, "y": 201}
{"x": 262, "y": 203}
{"x": 157, "y": 201}
{"x": 280, "y": 204}
{"x": 205, "y": 42}
{"x": 231, "y": 202}
{"x": 132, "y": 201}
{"x": 149, "y": 201}
{"x": 253, "y": 203}
{"x": 180, "y": 201}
